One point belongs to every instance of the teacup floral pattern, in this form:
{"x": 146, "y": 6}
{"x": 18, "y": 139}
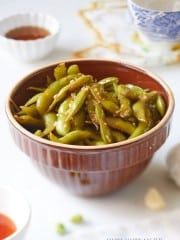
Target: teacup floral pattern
{"x": 157, "y": 25}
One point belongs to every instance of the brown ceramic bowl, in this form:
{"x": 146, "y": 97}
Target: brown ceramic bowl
{"x": 92, "y": 170}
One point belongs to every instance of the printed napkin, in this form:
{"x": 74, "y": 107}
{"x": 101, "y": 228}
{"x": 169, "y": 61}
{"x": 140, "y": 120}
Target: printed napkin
{"x": 117, "y": 38}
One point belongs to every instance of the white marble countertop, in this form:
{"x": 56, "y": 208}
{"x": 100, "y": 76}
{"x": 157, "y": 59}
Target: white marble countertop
{"x": 51, "y": 204}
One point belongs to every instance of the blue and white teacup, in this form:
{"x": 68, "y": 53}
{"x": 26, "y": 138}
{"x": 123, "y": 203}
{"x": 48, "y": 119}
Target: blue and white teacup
{"x": 156, "y": 20}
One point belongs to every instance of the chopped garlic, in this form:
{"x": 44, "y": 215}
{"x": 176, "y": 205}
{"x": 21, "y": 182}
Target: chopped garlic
{"x": 154, "y": 200}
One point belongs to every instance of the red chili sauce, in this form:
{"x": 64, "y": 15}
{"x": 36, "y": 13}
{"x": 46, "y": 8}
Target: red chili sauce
{"x": 7, "y": 226}
{"x": 27, "y": 33}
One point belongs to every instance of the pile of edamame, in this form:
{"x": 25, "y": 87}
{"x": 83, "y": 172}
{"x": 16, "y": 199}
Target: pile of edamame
{"x": 77, "y": 109}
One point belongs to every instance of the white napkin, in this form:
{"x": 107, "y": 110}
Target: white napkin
{"x": 164, "y": 227}
{"x": 117, "y": 38}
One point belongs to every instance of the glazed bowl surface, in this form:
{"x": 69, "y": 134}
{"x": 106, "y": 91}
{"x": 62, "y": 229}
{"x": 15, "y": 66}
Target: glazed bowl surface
{"x": 157, "y": 21}
{"x": 91, "y": 170}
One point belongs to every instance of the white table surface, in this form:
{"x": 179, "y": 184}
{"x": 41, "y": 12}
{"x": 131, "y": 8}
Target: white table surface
{"x": 49, "y": 203}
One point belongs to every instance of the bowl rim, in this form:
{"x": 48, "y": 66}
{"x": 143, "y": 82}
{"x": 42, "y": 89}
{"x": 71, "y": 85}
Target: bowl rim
{"x": 157, "y": 78}
{"x": 50, "y": 36}
{"x": 133, "y": 2}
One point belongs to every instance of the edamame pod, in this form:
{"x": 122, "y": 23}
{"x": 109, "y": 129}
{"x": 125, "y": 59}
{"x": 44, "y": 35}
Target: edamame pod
{"x": 72, "y": 137}
{"x": 130, "y": 91}
{"x": 62, "y": 125}
{"x": 29, "y": 121}
{"x": 118, "y": 136}
{"x": 79, "y": 82}
{"x": 97, "y": 92}
{"x": 29, "y": 110}
{"x": 139, "y": 110}
{"x": 120, "y": 124}
{"x": 125, "y": 110}
{"x": 49, "y": 119}
{"x": 161, "y": 106}
{"x": 91, "y": 111}
{"x": 33, "y": 99}
{"x": 78, "y": 120}
{"x": 104, "y": 129}
{"x": 110, "y": 106}
{"x": 46, "y": 98}
{"x": 73, "y": 69}
{"x": 140, "y": 129}
{"x": 60, "y": 71}
{"x": 109, "y": 83}
{"x": 78, "y": 102}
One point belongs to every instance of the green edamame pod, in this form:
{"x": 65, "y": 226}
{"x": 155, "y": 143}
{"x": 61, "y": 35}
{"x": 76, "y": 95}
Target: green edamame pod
{"x": 110, "y": 106}
{"x": 118, "y": 136}
{"x": 73, "y": 84}
{"x": 49, "y": 119}
{"x": 156, "y": 116}
{"x": 59, "y": 97}
{"x": 91, "y": 110}
{"x": 130, "y": 91}
{"x": 33, "y": 99}
{"x": 79, "y": 82}
{"x": 78, "y": 102}
{"x": 109, "y": 83}
{"x": 149, "y": 117}
{"x": 29, "y": 121}
{"x": 46, "y": 98}
{"x": 139, "y": 110}
{"x": 97, "y": 92}
{"x": 120, "y": 124}
{"x": 140, "y": 129}
{"x": 104, "y": 129}
{"x": 78, "y": 120}
{"x": 64, "y": 106}
{"x": 149, "y": 96}
{"x": 125, "y": 110}
{"x": 63, "y": 126}
{"x": 72, "y": 137}
{"x": 73, "y": 69}
{"x": 29, "y": 110}
{"x": 60, "y": 71}
{"x": 135, "y": 92}
{"x": 49, "y": 122}
{"x": 161, "y": 106}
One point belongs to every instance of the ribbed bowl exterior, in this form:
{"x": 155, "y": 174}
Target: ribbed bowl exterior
{"x": 94, "y": 170}
{"x": 92, "y": 173}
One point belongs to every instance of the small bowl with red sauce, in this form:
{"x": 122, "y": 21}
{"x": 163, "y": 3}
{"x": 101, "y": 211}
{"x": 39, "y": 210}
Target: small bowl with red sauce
{"x": 29, "y": 36}
{"x": 14, "y": 214}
